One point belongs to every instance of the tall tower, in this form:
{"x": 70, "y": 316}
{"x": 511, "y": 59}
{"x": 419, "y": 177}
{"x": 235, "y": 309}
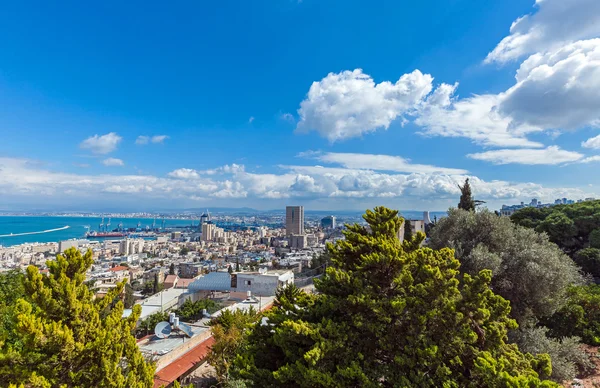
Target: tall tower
{"x": 294, "y": 220}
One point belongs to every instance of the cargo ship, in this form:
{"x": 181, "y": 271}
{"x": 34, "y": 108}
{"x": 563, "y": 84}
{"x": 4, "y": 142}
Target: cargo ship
{"x": 94, "y": 234}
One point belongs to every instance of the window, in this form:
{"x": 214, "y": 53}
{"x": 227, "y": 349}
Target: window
{"x": 248, "y": 282}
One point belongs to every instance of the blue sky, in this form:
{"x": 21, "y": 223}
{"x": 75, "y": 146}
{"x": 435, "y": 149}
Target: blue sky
{"x": 330, "y": 104}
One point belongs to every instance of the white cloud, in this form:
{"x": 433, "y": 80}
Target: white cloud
{"x": 557, "y": 90}
{"x": 552, "y": 155}
{"x": 350, "y": 104}
{"x": 159, "y": 139}
{"x": 101, "y": 145}
{"x": 593, "y": 142}
{"x": 288, "y": 117}
{"x": 156, "y": 139}
{"x": 251, "y": 119}
{"x": 184, "y": 173}
{"x": 27, "y": 180}
{"x": 554, "y": 24}
{"x": 113, "y": 162}
{"x": 378, "y": 162}
{"x": 591, "y": 159}
{"x": 475, "y": 118}
{"x": 141, "y": 140}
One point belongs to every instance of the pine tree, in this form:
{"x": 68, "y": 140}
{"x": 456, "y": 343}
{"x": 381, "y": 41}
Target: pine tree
{"x": 389, "y": 314}
{"x": 65, "y": 337}
{"x": 466, "y": 198}
{"x": 407, "y": 230}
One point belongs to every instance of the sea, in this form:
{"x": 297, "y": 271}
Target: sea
{"x": 15, "y": 230}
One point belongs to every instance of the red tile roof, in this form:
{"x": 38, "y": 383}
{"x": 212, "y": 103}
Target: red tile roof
{"x": 183, "y": 283}
{"x": 170, "y": 278}
{"x": 119, "y": 268}
{"x": 183, "y": 364}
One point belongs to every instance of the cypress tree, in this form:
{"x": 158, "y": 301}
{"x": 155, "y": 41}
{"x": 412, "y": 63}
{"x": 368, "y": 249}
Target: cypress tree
{"x": 466, "y": 197}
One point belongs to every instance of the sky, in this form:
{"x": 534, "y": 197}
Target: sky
{"x": 330, "y": 104}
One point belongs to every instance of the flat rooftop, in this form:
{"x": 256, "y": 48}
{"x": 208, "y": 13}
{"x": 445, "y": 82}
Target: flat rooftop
{"x": 161, "y": 346}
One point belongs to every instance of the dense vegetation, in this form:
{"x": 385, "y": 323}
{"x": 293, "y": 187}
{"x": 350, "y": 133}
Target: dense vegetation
{"x": 571, "y": 227}
{"x": 527, "y": 269}
{"x": 55, "y": 334}
{"x": 388, "y": 314}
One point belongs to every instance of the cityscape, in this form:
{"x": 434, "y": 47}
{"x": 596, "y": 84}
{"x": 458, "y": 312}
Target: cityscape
{"x": 300, "y": 194}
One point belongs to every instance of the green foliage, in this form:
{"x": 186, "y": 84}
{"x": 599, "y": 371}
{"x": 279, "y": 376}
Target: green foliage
{"x": 389, "y": 314}
{"x": 172, "y": 269}
{"x": 192, "y": 311}
{"x": 579, "y": 317}
{"x": 407, "y": 230}
{"x": 229, "y": 332}
{"x": 589, "y": 261}
{"x": 128, "y": 298}
{"x": 528, "y": 270}
{"x": 568, "y": 359}
{"x": 595, "y": 239}
{"x": 65, "y": 337}
{"x": 466, "y": 197}
{"x": 570, "y": 226}
{"x": 184, "y": 251}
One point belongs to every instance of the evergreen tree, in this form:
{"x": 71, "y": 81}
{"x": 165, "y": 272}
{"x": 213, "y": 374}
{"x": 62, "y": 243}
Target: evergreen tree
{"x": 407, "y": 230}
{"x": 172, "y": 269}
{"x": 237, "y": 265}
{"x": 128, "y": 298}
{"x": 389, "y": 314}
{"x": 66, "y": 338}
{"x": 466, "y": 197}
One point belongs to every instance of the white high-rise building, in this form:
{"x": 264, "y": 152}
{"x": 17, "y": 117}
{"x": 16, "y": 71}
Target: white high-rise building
{"x": 208, "y": 231}
{"x": 294, "y": 220}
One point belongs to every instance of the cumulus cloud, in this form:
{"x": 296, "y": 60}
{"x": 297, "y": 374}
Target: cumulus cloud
{"x": 551, "y": 155}
{"x": 559, "y": 89}
{"x": 591, "y": 159}
{"x": 475, "y": 118}
{"x": 593, "y": 142}
{"x": 113, "y": 162}
{"x": 553, "y": 24}
{"x": 378, "y": 162}
{"x": 184, "y": 173}
{"x": 251, "y": 119}
{"x": 101, "y": 145}
{"x": 350, "y": 104}
{"x": 27, "y": 179}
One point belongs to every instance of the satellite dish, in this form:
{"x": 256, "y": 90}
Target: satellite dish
{"x": 186, "y": 329}
{"x": 162, "y": 329}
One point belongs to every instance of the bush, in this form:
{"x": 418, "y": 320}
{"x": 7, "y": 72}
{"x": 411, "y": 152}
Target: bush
{"x": 579, "y": 317}
{"x": 568, "y": 359}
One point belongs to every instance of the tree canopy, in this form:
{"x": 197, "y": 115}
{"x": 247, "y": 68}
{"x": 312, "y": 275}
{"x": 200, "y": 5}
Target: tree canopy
{"x": 389, "y": 314}
{"x": 527, "y": 269}
{"x": 62, "y": 336}
{"x": 466, "y": 197}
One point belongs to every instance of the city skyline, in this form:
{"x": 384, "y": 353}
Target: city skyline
{"x": 335, "y": 105}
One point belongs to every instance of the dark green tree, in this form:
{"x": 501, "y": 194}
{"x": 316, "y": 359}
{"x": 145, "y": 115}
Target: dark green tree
{"x": 128, "y": 298}
{"x": 579, "y": 317}
{"x": 230, "y": 269}
{"x": 66, "y": 338}
{"x": 389, "y": 314}
{"x": 589, "y": 261}
{"x": 237, "y": 265}
{"x": 172, "y": 269}
{"x": 407, "y": 230}
{"x": 466, "y": 197}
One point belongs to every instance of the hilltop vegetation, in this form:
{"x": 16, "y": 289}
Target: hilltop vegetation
{"x": 387, "y": 314}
